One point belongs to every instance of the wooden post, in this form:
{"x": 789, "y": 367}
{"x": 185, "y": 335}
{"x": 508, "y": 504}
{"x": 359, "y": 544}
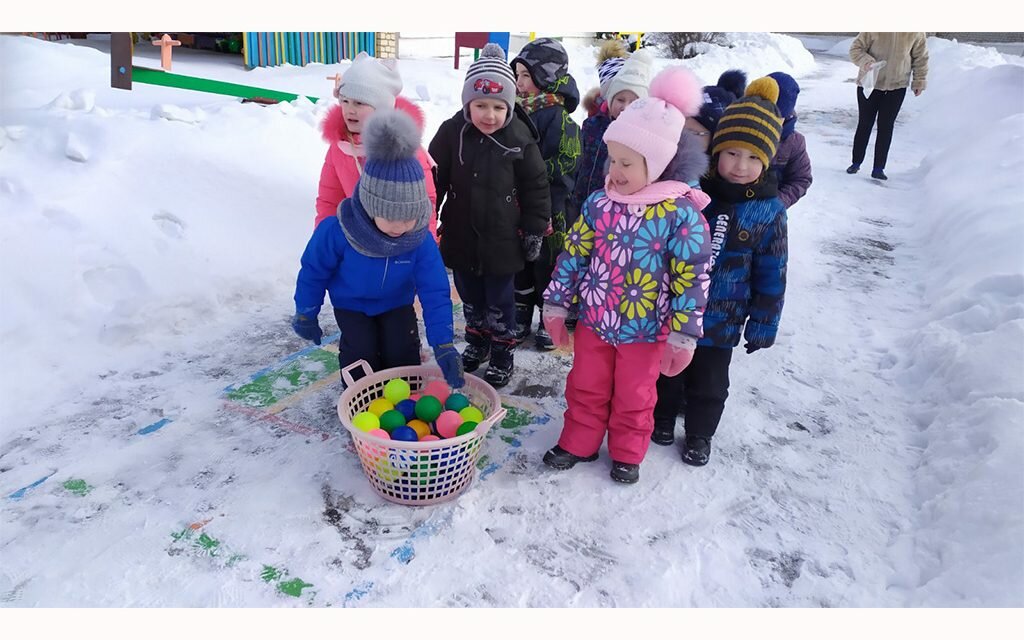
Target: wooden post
{"x": 165, "y": 43}
{"x": 121, "y": 61}
{"x": 337, "y": 83}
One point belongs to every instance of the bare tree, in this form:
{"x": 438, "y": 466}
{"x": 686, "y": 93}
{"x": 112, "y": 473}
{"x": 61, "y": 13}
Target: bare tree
{"x": 679, "y": 44}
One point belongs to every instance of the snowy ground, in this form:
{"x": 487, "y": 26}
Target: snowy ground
{"x": 165, "y": 440}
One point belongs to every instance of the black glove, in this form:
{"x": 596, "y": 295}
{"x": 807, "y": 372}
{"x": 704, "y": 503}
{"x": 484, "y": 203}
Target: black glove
{"x": 531, "y": 246}
{"x": 751, "y": 348}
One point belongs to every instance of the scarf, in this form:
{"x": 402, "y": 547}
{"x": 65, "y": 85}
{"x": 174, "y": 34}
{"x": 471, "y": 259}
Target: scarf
{"x": 539, "y": 101}
{"x": 367, "y": 239}
{"x": 657, "y": 192}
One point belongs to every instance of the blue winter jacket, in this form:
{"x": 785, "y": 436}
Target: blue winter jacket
{"x": 373, "y": 286}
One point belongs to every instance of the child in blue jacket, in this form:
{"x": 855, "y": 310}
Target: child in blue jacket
{"x": 375, "y": 256}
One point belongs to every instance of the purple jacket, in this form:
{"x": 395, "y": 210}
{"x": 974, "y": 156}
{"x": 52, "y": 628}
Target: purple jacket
{"x": 792, "y": 165}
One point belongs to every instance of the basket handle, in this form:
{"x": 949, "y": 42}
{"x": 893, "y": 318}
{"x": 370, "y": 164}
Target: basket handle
{"x": 347, "y": 377}
{"x": 499, "y": 415}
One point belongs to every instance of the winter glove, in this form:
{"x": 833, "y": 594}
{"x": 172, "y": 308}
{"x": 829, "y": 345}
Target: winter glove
{"x": 554, "y": 322}
{"x": 531, "y": 246}
{"x": 751, "y": 348}
{"x": 451, "y": 365}
{"x": 306, "y": 324}
{"x": 678, "y": 354}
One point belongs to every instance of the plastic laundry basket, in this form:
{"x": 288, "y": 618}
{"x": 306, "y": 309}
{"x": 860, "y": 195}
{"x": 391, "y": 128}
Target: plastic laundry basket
{"x": 416, "y": 473}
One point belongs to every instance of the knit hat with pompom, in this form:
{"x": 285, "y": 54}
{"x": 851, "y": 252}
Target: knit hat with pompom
{"x": 651, "y": 126}
{"x": 753, "y": 122}
{"x": 392, "y": 185}
{"x": 490, "y": 76}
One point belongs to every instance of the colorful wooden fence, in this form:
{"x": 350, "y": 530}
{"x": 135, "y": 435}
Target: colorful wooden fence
{"x": 269, "y": 48}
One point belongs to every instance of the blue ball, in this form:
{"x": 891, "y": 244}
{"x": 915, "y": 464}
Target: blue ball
{"x": 407, "y": 408}
{"x": 405, "y": 434}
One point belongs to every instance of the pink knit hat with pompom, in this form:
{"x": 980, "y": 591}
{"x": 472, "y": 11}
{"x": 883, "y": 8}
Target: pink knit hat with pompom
{"x": 651, "y": 126}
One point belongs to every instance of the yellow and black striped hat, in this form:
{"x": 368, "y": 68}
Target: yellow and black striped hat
{"x": 752, "y": 122}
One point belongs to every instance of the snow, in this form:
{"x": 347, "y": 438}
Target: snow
{"x": 873, "y": 457}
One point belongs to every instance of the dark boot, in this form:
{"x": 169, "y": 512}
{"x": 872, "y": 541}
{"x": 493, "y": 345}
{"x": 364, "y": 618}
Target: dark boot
{"x": 625, "y": 472}
{"x": 502, "y": 363}
{"x": 524, "y": 318}
{"x": 478, "y": 351}
{"x": 878, "y": 174}
{"x": 559, "y": 458}
{"x": 664, "y": 431}
{"x": 853, "y": 168}
{"x": 696, "y": 451}
{"x": 542, "y": 339}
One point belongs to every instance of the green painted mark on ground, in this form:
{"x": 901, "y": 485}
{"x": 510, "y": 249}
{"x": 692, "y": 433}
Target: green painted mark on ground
{"x": 293, "y": 587}
{"x": 516, "y": 418}
{"x": 78, "y": 487}
{"x": 275, "y": 385}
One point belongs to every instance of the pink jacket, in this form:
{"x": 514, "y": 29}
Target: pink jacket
{"x": 340, "y": 174}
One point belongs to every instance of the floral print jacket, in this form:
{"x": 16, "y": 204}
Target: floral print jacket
{"x": 636, "y": 271}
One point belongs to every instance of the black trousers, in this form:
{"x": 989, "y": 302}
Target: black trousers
{"x": 391, "y": 339}
{"x": 885, "y": 106}
{"x": 703, "y": 387}
{"x": 534, "y": 278}
{"x": 488, "y": 303}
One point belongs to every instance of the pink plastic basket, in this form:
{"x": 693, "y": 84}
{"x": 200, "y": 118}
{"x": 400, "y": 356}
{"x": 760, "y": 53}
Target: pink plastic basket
{"x": 416, "y": 473}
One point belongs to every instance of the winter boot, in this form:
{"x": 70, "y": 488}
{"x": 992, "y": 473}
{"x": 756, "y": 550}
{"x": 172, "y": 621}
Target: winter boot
{"x": 524, "y": 318}
{"x": 542, "y": 339}
{"x": 478, "y": 351}
{"x": 559, "y": 458}
{"x": 625, "y": 472}
{"x": 502, "y": 363}
{"x": 696, "y": 451}
{"x": 664, "y": 432}
{"x": 878, "y": 174}
{"x": 853, "y": 168}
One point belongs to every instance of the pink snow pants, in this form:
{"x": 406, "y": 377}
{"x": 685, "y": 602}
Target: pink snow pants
{"x": 614, "y": 389}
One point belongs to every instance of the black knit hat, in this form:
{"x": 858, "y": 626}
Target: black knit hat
{"x": 752, "y": 122}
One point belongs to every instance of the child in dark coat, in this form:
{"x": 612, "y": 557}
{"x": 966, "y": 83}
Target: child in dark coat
{"x": 748, "y": 268}
{"x": 792, "y": 165}
{"x": 375, "y": 256}
{"x": 496, "y": 207}
{"x": 548, "y": 94}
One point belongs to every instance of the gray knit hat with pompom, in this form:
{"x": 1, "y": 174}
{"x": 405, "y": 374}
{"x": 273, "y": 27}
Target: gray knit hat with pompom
{"x": 490, "y": 77}
{"x": 392, "y": 185}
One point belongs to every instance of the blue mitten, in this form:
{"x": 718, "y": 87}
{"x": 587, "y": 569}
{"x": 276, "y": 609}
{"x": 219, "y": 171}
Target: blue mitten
{"x": 451, "y": 365}
{"x": 306, "y": 325}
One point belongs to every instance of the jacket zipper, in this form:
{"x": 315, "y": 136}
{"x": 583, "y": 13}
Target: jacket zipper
{"x": 387, "y": 261}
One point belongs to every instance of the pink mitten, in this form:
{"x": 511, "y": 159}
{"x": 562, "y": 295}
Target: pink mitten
{"x": 554, "y": 322}
{"x": 678, "y": 354}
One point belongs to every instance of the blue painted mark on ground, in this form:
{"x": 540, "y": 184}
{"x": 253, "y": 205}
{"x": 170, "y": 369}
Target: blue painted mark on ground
{"x": 429, "y": 527}
{"x": 515, "y": 443}
{"x": 159, "y": 424}
{"x": 298, "y": 354}
{"x": 20, "y": 493}
{"x": 358, "y": 592}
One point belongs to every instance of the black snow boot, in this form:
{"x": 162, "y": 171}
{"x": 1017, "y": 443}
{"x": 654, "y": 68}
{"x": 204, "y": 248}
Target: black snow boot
{"x": 664, "y": 432}
{"x": 502, "y": 363}
{"x": 478, "y": 350}
{"x": 559, "y": 458}
{"x": 542, "y": 339}
{"x": 696, "y": 451}
{"x": 625, "y": 472}
{"x": 524, "y": 318}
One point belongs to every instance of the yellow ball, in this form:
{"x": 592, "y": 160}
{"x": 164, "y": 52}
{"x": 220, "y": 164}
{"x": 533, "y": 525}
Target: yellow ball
{"x": 365, "y": 421}
{"x": 472, "y": 414}
{"x": 421, "y": 428}
{"x": 396, "y": 390}
{"x": 379, "y": 406}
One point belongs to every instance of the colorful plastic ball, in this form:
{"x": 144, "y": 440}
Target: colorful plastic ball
{"x": 404, "y": 434}
{"x": 428, "y": 408}
{"x": 466, "y": 427}
{"x": 421, "y": 428}
{"x": 391, "y": 419}
{"x": 365, "y": 421}
{"x": 380, "y": 433}
{"x": 396, "y": 390}
{"x": 456, "y": 402}
{"x": 428, "y": 438}
{"x": 448, "y": 423}
{"x": 439, "y": 389}
{"x": 379, "y": 406}
{"x": 415, "y": 397}
{"x": 472, "y": 414}
{"x": 407, "y": 407}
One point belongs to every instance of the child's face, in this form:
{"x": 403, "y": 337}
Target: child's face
{"x": 488, "y": 114}
{"x": 620, "y": 101}
{"x": 627, "y": 169}
{"x": 699, "y": 131}
{"x": 355, "y": 113}
{"x": 524, "y": 81}
{"x": 739, "y": 166}
{"x": 394, "y": 228}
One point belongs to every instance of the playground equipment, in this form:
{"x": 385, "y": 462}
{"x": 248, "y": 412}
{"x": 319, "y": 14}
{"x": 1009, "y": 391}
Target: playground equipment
{"x": 166, "y": 44}
{"x": 269, "y": 48}
{"x": 476, "y": 40}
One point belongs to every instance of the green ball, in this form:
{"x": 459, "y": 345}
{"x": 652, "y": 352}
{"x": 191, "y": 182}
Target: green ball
{"x": 466, "y": 427}
{"x": 396, "y": 390}
{"x": 389, "y": 420}
{"x": 365, "y": 421}
{"x": 472, "y": 414}
{"x": 428, "y": 408}
{"x": 456, "y": 402}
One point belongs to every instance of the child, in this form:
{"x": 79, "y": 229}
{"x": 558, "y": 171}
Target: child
{"x": 731, "y": 85}
{"x": 792, "y": 165}
{"x": 496, "y": 208}
{"x": 622, "y": 82}
{"x": 368, "y": 86}
{"x": 610, "y": 56}
{"x": 375, "y": 256}
{"x": 636, "y": 261}
{"x": 748, "y": 267}
{"x": 544, "y": 63}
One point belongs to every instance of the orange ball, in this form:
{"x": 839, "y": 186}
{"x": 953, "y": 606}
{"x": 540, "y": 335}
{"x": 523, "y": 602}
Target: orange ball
{"x": 420, "y": 427}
